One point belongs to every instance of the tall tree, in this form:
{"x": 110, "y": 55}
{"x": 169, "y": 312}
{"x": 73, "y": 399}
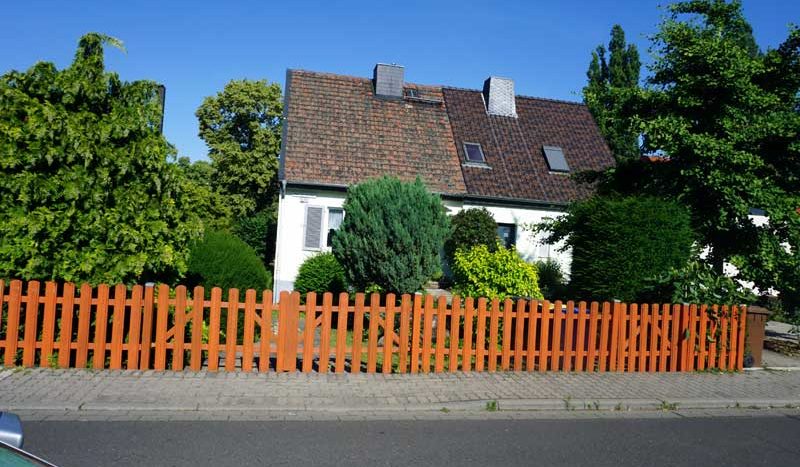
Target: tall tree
{"x": 242, "y": 127}
{"x": 727, "y": 118}
{"x": 611, "y": 83}
{"x": 86, "y": 189}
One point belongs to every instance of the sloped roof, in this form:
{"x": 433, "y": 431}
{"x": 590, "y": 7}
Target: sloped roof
{"x": 338, "y": 133}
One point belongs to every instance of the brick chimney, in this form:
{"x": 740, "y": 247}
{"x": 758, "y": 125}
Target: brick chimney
{"x": 388, "y": 80}
{"x": 498, "y": 94}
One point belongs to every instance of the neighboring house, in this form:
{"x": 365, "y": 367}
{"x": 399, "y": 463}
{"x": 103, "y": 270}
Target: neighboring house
{"x": 510, "y": 154}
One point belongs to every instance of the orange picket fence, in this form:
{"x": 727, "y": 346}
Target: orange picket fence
{"x": 159, "y": 328}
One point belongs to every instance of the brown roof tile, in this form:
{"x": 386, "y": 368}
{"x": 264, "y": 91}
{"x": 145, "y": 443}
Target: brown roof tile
{"x": 339, "y": 134}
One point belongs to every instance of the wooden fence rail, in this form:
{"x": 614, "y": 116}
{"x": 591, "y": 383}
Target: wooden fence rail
{"x": 161, "y": 328}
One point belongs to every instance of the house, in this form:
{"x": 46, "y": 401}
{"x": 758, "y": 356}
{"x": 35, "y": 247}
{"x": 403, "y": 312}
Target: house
{"x": 476, "y": 148}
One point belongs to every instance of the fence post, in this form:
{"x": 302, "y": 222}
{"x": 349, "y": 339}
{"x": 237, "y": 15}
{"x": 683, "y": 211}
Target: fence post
{"x": 288, "y": 318}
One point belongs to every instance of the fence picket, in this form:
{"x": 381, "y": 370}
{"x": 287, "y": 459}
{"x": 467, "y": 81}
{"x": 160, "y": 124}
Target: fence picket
{"x": 162, "y": 315}
{"x": 466, "y": 351}
{"x": 441, "y": 333}
{"x": 741, "y": 338}
{"x": 734, "y": 325}
{"x": 309, "y": 331}
{"x": 674, "y": 348}
{"x": 556, "y": 349}
{"x": 65, "y": 335}
{"x": 358, "y": 334}
{"x": 723, "y": 340}
{"x": 266, "y": 331}
{"x": 249, "y": 335}
{"x": 684, "y": 338}
{"x": 702, "y": 338}
{"x": 480, "y": 339}
{"x": 654, "y": 320}
{"x": 49, "y": 324}
{"x": 2, "y": 307}
{"x": 692, "y": 346}
{"x": 84, "y": 310}
{"x": 580, "y": 352}
{"x": 118, "y": 326}
{"x": 622, "y": 338}
{"x": 544, "y": 340}
{"x": 341, "y": 331}
{"x": 519, "y": 328}
{"x": 416, "y": 325}
{"x": 606, "y": 327}
{"x": 31, "y": 324}
{"x": 533, "y": 319}
{"x": 101, "y": 327}
{"x": 455, "y": 324}
{"x": 372, "y": 339}
{"x": 505, "y": 349}
{"x": 405, "y": 322}
{"x": 231, "y": 329}
{"x": 134, "y": 333}
{"x": 325, "y": 332}
{"x": 388, "y": 334}
{"x": 196, "y": 345}
{"x": 427, "y": 334}
{"x": 569, "y": 322}
{"x": 214, "y": 324}
{"x": 494, "y": 324}
{"x": 147, "y": 328}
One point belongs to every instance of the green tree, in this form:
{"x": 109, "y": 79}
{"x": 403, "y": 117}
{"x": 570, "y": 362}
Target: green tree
{"x": 86, "y": 189}
{"x": 728, "y": 119}
{"x": 213, "y": 207}
{"x": 391, "y": 235}
{"x": 242, "y": 127}
{"x": 471, "y": 227}
{"x": 612, "y": 83}
{"x": 619, "y": 244}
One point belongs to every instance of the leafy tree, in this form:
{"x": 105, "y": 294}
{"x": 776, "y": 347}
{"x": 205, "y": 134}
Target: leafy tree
{"x": 242, "y": 127}
{"x": 728, "y": 119}
{"x": 609, "y": 91}
{"x": 212, "y": 206}
{"x": 86, "y": 190}
{"x": 320, "y": 273}
{"x": 494, "y": 273}
{"x": 618, "y": 244}
{"x": 391, "y": 235}
{"x": 471, "y": 227}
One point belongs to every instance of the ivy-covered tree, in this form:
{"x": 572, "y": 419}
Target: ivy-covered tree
{"x": 612, "y": 83}
{"x": 391, "y": 235}
{"x": 86, "y": 189}
{"x": 728, "y": 119}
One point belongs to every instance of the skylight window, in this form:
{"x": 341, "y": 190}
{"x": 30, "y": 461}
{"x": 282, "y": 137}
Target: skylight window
{"x": 474, "y": 153}
{"x": 555, "y": 159}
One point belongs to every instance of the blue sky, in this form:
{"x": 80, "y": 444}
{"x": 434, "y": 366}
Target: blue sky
{"x": 195, "y": 47}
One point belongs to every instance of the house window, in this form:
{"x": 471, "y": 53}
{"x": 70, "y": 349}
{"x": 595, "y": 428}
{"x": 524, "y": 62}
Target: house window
{"x": 312, "y": 235}
{"x": 507, "y": 234}
{"x": 555, "y": 159}
{"x": 474, "y": 153}
{"x": 335, "y": 217}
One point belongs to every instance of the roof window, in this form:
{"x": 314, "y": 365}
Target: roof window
{"x": 555, "y": 159}
{"x": 474, "y": 153}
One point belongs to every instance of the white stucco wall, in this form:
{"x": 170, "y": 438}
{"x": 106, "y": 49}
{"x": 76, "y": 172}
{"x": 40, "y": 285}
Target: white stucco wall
{"x": 290, "y": 253}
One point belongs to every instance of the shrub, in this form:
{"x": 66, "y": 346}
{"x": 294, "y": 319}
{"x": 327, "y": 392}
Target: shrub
{"x": 221, "y": 259}
{"x": 391, "y": 235}
{"x": 551, "y": 279}
{"x": 696, "y": 283}
{"x": 618, "y": 243}
{"x": 320, "y": 273}
{"x": 258, "y": 231}
{"x": 502, "y": 273}
{"x": 469, "y": 228}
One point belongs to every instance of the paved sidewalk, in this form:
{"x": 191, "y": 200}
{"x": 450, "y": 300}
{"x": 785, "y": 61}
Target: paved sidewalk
{"x": 87, "y": 394}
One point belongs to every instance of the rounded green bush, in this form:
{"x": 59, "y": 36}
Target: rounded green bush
{"x": 221, "y": 259}
{"x": 320, "y": 273}
{"x": 502, "y": 273}
{"x": 469, "y": 228}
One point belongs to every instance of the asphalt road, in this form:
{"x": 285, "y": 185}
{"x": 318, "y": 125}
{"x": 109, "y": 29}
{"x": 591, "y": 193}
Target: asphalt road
{"x": 746, "y": 441}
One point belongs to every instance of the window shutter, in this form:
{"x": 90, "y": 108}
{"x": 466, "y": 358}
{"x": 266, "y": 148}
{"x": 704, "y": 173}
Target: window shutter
{"x": 313, "y": 235}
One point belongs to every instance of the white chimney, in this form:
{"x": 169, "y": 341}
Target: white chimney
{"x": 498, "y": 94}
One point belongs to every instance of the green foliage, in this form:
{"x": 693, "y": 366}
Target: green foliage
{"x": 212, "y": 207}
{"x": 551, "y": 279}
{"x": 727, "y": 118}
{"x": 86, "y": 190}
{"x": 257, "y": 230}
{"x": 697, "y": 283}
{"x": 223, "y": 260}
{"x": 618, "y": 243}
{"x": 611, "y": 84}
{"x": 469, "y": 228}
{"x": 242, "y": 127}
{"x": 502, "y": 273}
{"x": 320, "y": 273}
{"x": 391, "y": 235}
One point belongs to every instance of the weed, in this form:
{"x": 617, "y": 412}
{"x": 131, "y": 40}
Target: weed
{"x": 667, "y": 406}
{"x": 445, "y": 410}
{"x": 491, "y": 406}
